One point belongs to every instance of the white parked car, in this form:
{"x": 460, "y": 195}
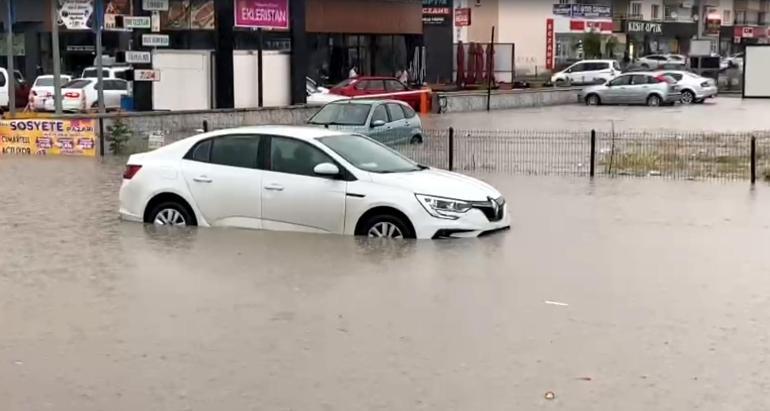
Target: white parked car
{"x": 694, "y": 88}
{"x": 120, "y": 72}
{"x": 304, "y": 179}
{"x": 43, "y": 89}
{"x": 81, "y": 95}
{"x": 319, "y": 96}
{"x": 653, "y": 61}
{"x": 587, "y": 72}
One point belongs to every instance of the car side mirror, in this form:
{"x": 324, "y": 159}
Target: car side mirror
{"x": 326, "y": 170}
{"x": 378, "y": 123}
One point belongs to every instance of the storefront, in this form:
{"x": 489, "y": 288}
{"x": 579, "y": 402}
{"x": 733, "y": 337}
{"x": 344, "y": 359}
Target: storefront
{"x": 640, "y": 37}
{"x": 572, "y": 24}
{"x": 734, "y": 39}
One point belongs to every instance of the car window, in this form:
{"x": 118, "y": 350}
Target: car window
{"x": 598, "y": 66}
{"x": 361, "y": 85}
{"x": 616, "y": 66}
{"x": 368, "y": 155}
{"x": 396, "y": 113}
{"x": 393, "y": 85}
{"x": 235, "y": 151}
{"x": 408, "y": 112}
{"x": 200, "y": 152}
{"x": 637, "y": 79}
{"x": 342, "y": 114}
{"x": 92, "y": 73}
{"x": 345, "y": 83}
{"x": 121, "y": 74}
{"x": 675, "y": 76}
{"x": 75, "y": 84}
{"x": 578, "y": 67}
{"x": 380, "y": 113}
{"x": 2, "y": 80}
{"x": 375, "y": 85}
{"x": 621, "y": 81}
{"x": 292, "y": 156}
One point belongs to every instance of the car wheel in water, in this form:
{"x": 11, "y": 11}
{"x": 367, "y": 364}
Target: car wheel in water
{"x": 387, "y": 226}
{"x": 171, "y": 214}
{"x": 417, "y": 139}
{"x": 593, "y": 100}
{"x": 700, "y": 101}
{"x": 688, "y": 97}
{"x": 653, "y": 100}
{"x": 561, "y": 83}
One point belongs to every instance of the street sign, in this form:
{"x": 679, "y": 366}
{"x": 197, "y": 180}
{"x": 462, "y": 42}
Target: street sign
{"x": 156, "y": 40}
{"x": 137, "y": 22}
{"x": 155, "y": 5}
{"x": 138, "y": 57}
{"x": 146, "y": 75}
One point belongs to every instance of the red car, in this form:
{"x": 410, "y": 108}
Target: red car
{"x": 369, "y": 86}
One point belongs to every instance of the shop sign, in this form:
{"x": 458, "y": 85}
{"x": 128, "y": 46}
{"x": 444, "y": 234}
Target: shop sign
{"x": 266, "y": 14}
{"x": 562, "y": 10}
{"x": 74, "y": 48}
{"x": 48, "y": 137}
{"x": 188, "y": 15}
{"x": 138, "y": 57}
{"x": 549, "y": 42}
{"x": 749, "y": 32}
{"x": 76, "y": 14}
{"x": 643, "y": 27}
{"x": 591, "y": 11}
{"x": 463, "y": 17}
{"x": 139, "y": 22}
{"x": 155, "y": 5}
{"x": 114, "y": 8}
{"x": 146, "y": 75}
{"x": 436, "y": 12}
{"x": 156, "y": 40}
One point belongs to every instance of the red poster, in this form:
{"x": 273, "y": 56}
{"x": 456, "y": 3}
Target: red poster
{"x": 549, "y": 46}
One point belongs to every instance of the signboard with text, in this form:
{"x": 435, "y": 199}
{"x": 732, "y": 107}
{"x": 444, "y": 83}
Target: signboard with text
{"x": 644, "y": 27}
{"x": 138, "y": 22}
{"x": 591, "y": 11}
{"x": 156, "y": 40}
{"x": 266, "y": 14}
{"x": 48, "y": 137}
{"x": 155, "y": 5}
{"x": 138, "y": 57}
{"x": 146, "y": 75}
{"x": 549, "y": 44}
{"x": 463, "y": 17}
{"x": 76, "y": 14}
{"x": 436, "y": 12}
{"x": 115, "y": 8}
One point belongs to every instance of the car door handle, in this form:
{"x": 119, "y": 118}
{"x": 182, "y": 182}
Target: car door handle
{"x": 202, "y": 179}
{"x": 274, "y": 187}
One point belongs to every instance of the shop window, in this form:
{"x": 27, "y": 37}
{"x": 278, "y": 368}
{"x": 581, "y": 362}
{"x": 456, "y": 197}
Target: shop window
{"x": 655, "y": 12}
{"x": 636, "y": 10}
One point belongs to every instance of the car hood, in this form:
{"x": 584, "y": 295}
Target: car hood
{"x": 439, "y": 183}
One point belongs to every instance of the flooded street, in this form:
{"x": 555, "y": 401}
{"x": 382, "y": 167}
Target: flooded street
{"x": 632, "y": 294}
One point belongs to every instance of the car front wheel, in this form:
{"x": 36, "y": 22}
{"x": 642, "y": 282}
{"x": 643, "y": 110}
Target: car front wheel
{"x": 387, "y": 226}
{"x": 593, "y": 100}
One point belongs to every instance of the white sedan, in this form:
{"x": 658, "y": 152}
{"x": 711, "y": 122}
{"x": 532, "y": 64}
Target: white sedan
{"x": 43, "y": 89}
{"x": 304, "y": 179}
{"x": 82, "y": 95}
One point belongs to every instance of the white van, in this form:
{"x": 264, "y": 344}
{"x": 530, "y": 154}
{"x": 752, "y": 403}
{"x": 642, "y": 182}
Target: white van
{"x": 108, "y": 72}
{"x": 587, "y": 72}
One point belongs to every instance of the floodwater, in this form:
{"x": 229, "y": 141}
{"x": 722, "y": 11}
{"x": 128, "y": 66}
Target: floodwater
{"x": 723, "y": 114}
{"x": 616, "y": 294}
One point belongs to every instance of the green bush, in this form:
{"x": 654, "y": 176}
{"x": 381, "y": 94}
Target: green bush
{"x": 118, "y": 135}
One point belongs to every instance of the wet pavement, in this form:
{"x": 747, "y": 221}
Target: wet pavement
{"x": 725, "y": 114}
{"x": 616, "y": 294}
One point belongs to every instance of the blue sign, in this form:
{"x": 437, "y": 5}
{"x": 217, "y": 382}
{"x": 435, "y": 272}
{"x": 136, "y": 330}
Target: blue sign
{"x": 591, "y": 11}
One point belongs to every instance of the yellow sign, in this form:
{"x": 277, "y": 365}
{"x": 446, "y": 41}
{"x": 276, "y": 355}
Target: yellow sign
{"x": 48, "y": 137}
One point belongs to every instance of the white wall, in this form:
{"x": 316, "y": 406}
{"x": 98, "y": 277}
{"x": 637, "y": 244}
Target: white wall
{"x": 523, "y": 23}
{"x": 185, "y": 80}
{"x": 276, "y": 79}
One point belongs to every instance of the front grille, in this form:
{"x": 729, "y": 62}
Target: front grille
{"x": 493, "y": 209}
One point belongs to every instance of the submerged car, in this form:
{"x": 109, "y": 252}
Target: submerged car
{"x": 304, "y": 179}
{"x": 634, "y": 88}
{"x": 694, "y": 88}
{"x": 387, "y": 121}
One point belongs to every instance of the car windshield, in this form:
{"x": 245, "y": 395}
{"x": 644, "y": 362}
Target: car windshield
{"x": 77, "y": 84}
{"x": 344, "y": 83}
{"x": 93, "y": 73}
{"x": 368, "y": 155}
{"x": 342, "y": 114}
{"x": 44, "y": 82}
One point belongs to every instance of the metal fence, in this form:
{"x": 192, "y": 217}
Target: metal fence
{"x": 668, "y": 154}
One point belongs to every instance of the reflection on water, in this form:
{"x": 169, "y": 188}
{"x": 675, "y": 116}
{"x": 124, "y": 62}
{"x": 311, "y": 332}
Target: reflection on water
{"x": 98, "y": 314}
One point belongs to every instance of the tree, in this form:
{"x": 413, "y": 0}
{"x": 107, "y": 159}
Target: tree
{"x": 592, "y": 45}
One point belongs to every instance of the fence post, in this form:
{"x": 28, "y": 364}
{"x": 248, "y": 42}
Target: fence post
{"x": 205, "y": 126}
{"x": 101, "y": 136}
{"x": 593, "y": 153}
{"x": 753, "y": 160}
{"x": 451, "y": 148}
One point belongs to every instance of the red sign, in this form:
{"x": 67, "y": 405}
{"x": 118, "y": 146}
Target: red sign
{"x": 463, "y": 17}
{"x": 549, "y": 44}
{"x": 749, "y": 32}
{"x": 266, "y": 14}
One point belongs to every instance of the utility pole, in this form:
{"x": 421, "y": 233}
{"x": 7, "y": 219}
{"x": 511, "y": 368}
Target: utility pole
{"x": 701, "y": 18}
{"x": 56, "y": 55}
{"x": 9, "y": 49}
{"x": 99, "y": 75}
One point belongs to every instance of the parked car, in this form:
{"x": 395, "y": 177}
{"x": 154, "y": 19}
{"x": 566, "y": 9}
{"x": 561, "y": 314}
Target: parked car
{"x": 120, "y": 72}
{"x": 586, "y": 72}
{"x": 318, "y": 96}
{"x": 305, "y": 179}
{"x": 81, "y": 95}
{"x": 42, "y": 89}
{"x": 368, "y": 86}
{"x": 387, "y": 121}
{"x": 654, "y": 61}
{"x": 312, "y": 84}
{"x": 694, "y": 88}
{"x": 634, "y": 88}
{"x": 734, "y": 61}
{"x": 21, "y": 92}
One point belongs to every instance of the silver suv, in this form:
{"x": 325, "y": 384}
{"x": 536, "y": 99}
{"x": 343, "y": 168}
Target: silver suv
{"x": 648, "y": 88}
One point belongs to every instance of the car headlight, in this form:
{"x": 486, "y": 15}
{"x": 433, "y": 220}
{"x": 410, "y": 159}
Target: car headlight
{"x": 441, "y": 207}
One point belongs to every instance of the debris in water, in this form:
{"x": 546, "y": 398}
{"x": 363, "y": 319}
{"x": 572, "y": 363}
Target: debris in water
{"x": 585, "y": 378}
{"x": 550, "y": 395}
{"x": 556, "y": 303}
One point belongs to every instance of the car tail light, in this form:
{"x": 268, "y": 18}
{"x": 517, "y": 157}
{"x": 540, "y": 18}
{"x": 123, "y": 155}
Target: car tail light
{"x": 131, "y": 170}
{"x": 71, "y": 95}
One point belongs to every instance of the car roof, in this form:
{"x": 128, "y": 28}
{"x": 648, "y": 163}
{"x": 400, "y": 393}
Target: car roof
{"x": 374, "y": 78}
{"x": 366, "y": 101}
{"x": 299, "y": 132}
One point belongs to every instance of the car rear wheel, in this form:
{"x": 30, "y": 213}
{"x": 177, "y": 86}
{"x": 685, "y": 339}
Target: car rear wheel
{"x": 416, "y": 139}
{"x": 593, "y": 100}
{"x": 171, "y": 214}
{"x": 688, "y": 97}
{"x": 387, "y": 226}
{"x": 654, "y": 100}
{"x": 561, "y": 83}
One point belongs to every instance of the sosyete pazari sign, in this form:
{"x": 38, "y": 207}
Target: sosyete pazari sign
{"x": 48, "y": 137}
